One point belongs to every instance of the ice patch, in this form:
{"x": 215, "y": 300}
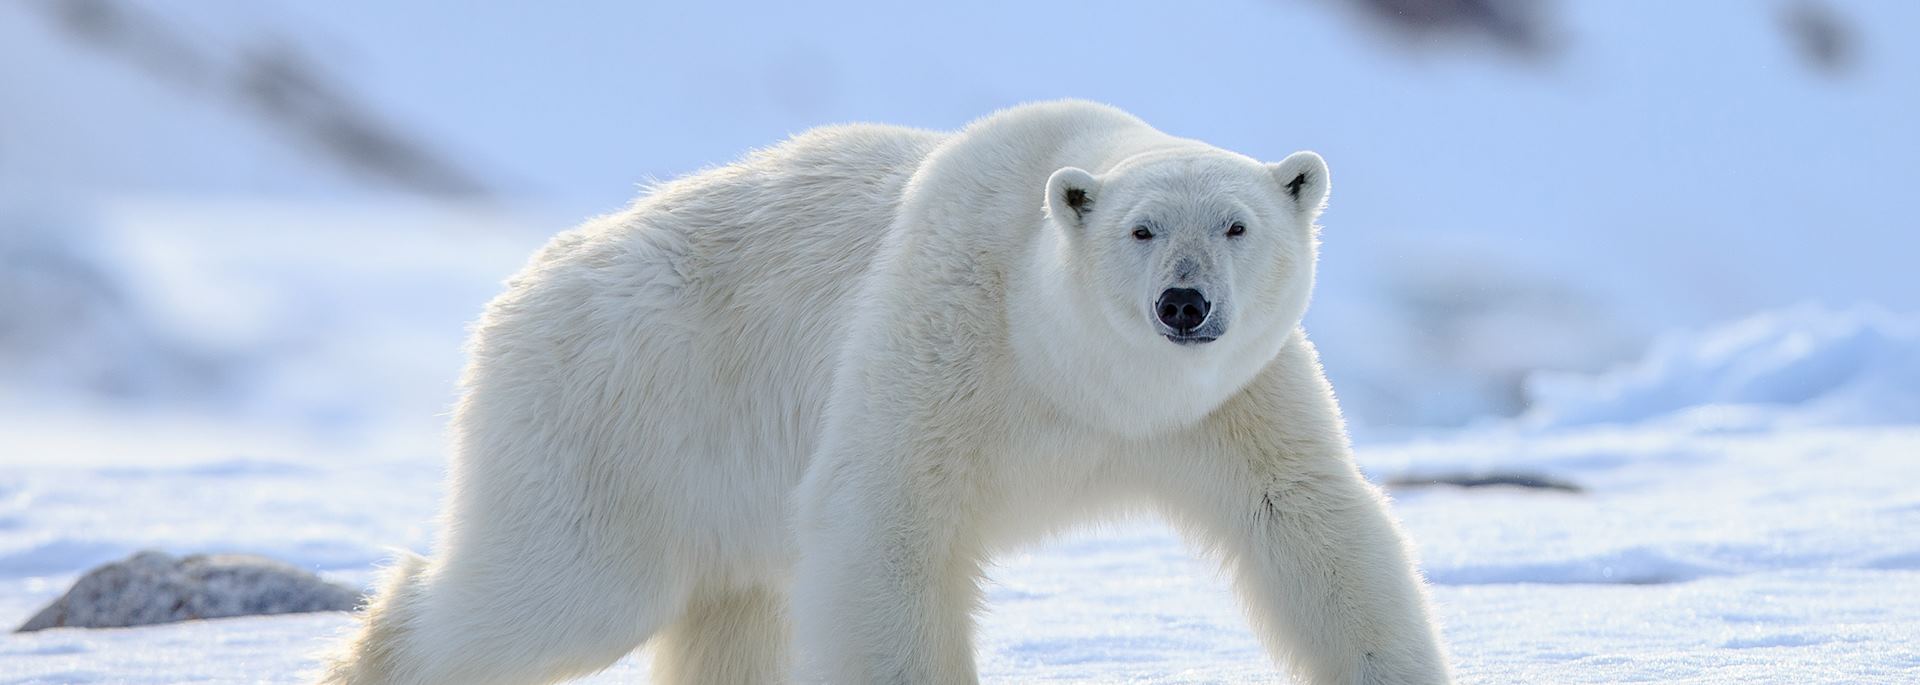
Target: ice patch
{"x": 1897, "y": 562}
{"x": 1632, "y": 566}
{"x": 1776, "y": 640}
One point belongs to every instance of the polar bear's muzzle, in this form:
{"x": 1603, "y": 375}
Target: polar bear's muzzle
{"x": 1185, "y": 317}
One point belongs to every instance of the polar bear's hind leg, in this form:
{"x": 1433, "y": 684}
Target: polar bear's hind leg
{"x": 484, "y": 621}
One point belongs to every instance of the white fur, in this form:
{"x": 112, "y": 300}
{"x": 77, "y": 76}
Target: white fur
{"x": 832, "y": 380}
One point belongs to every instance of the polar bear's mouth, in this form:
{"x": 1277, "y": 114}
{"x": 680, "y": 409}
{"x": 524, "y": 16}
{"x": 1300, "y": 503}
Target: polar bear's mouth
{"x": 1179, "y": 339}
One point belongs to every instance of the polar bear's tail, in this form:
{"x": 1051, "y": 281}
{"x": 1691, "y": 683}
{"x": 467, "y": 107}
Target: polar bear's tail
{"x": 373, "y": 654}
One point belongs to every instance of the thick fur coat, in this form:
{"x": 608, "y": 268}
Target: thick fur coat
{"x": 773, "y": 418}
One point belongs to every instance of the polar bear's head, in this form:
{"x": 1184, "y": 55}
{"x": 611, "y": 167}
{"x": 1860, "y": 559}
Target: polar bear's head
{"x": 1194, "y": 252}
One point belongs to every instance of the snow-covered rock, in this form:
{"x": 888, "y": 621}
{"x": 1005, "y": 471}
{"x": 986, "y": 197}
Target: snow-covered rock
{"x": 155, "y": 587}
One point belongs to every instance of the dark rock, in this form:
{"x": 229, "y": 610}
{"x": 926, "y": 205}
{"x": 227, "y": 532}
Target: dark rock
{"x": 155, "y": 587}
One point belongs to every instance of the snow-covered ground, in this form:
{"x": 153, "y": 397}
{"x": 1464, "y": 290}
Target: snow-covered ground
{"x": 1733, "y": 525}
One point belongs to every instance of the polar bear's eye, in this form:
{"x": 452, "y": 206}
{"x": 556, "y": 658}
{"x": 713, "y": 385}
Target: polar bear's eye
{"x": 1237, "y": 229}
{"x": 1141, "y": 233}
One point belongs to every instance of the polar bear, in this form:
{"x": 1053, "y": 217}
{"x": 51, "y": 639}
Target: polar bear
{"x": 805, "y": 397}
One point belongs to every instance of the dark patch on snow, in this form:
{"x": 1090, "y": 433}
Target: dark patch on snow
{"x": 1513, "y": 479}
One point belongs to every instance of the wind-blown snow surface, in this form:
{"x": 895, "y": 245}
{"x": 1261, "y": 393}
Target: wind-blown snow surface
{"x": 1722, "y": 536}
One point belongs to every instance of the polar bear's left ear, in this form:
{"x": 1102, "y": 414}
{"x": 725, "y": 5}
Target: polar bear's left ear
{"x": 1071, "y": 192}
{"x": 1303, "y": 178}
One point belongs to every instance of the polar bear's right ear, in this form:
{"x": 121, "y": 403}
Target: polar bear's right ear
{"x": 1071, "y": 192}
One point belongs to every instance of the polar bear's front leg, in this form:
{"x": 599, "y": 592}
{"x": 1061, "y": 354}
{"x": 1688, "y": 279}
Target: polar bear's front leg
{"x": 1327, "y": 580}
{"x": 1322, "y": 568}
{"x": 888, "y": 577}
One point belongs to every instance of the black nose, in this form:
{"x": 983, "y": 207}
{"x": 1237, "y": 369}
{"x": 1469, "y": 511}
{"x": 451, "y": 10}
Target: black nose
{"x": 1182, "y": 309}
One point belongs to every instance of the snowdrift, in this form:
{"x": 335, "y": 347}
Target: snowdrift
{"x": 1806, "y": 365}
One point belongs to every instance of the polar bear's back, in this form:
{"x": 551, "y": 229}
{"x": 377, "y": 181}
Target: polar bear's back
{"x": 789, "y": 230}
{"x": 765, "y": 246}
{"x": 698, "y": 325}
